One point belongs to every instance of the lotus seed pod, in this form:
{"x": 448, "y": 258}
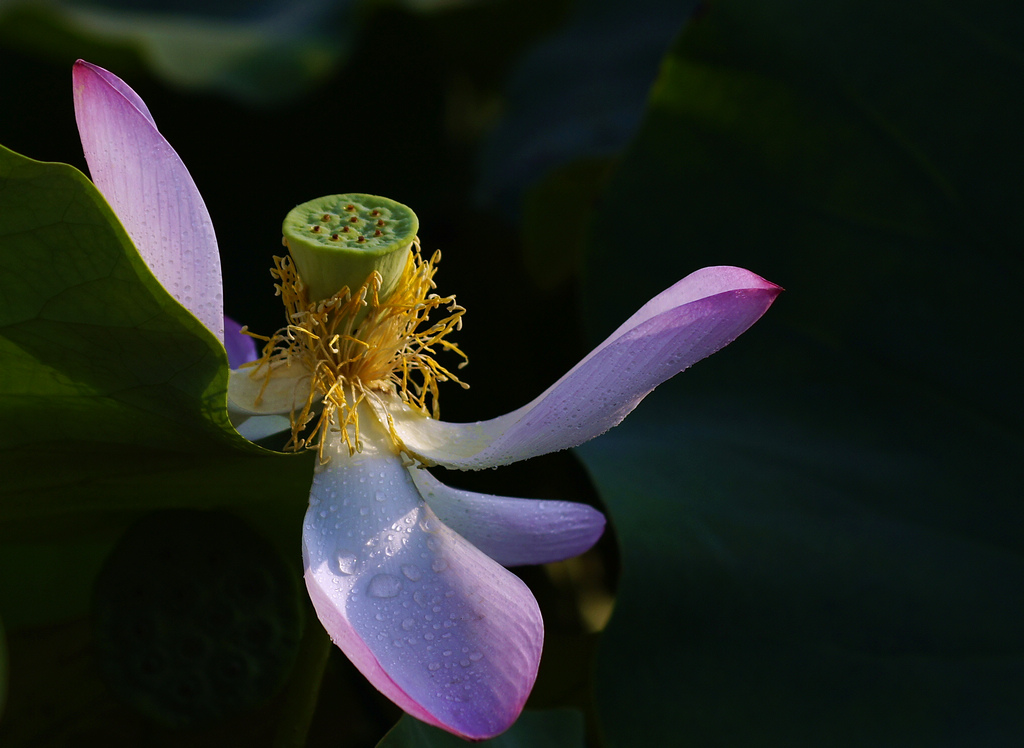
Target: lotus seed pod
{"x": 338, "y": 240}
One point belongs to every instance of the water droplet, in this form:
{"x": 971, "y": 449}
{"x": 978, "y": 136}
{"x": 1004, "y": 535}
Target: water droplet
{"x": 434, "y": 667}
{"x": 379, "y": 496}
{"x": 412, "y": 573}
{"x": 465, "y": 663}
{"x": 363, "y": 511}
{"x": 476, "y": 657}
{"x": 439, "y": 564}
{"x": 347, "y": 562}
{"x": 384, "y": 585}
{"x": 409, "y": 624}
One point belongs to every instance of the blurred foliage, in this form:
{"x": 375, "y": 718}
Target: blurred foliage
{"x": 265, "y": 52}
{"x": 3, "y": 669}
{"x": 579, "y": 94}
{"x": 261, "y": 52}
{"x": 819, "y": 527}
{"x": 554, "y": 729}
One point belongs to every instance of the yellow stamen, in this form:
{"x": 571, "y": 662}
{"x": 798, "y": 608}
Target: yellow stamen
{"x": 358, "y": 346}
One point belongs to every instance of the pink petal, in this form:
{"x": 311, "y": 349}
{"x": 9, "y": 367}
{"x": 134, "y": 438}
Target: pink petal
{"x": 700, "y": 314}
{"x": 439, "y": 628}
{"x": 512, "y": 531}
{"x": 151, "y": 192}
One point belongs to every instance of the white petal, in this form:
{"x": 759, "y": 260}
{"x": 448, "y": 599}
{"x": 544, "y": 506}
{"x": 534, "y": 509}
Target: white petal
{"x": 259, "y": 427}
{"x": 251, "y": 392}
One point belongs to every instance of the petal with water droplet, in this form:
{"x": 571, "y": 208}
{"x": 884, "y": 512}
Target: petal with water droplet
{"x": 437, "y": 626}
{"x": 150, "y": 190}
{"x": 513, "y": 531}
{"x": 699, "y": 315}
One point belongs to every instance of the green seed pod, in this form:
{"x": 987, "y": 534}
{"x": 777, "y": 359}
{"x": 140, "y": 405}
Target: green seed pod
{"x": 339, "y": 240}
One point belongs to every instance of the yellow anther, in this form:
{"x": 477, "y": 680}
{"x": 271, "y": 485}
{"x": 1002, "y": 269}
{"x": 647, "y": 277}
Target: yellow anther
{"x": 358, "y": 346}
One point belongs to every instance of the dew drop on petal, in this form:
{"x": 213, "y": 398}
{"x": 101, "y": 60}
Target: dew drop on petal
{"x": 347, "y": 562}
{"x": 411, "y": 572}
{"x": 384, "y": 585}
{"x": 439, "y": 564}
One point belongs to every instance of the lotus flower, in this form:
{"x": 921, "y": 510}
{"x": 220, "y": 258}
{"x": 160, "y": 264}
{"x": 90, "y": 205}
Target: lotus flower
{"x": 406, "y": 574}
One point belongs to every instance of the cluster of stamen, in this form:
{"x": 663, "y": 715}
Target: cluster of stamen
{"x": 357, "y": 345}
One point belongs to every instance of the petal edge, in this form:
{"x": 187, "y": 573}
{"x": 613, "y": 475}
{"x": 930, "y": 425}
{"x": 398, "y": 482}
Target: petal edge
{"x": 687, "y": 322}
{"x": 150, "y": 191}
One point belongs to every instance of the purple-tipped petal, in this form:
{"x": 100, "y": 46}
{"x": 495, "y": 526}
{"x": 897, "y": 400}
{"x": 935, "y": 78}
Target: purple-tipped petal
{"x": 439, "y": 628}
{"x": 150, "y": 190}
{"x": 240, "y": 347}
{"x": 700, "y": 314}
{"x": 512, "y": 531}
{"x": 121, "y": 87}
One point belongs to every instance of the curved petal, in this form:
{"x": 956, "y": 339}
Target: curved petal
{"x": 443, "y": 631}
{"x": 240, "y": 347}
{"x": 151, "y": 192}
{"x": 251, "y": 392}
{"x": 513, "y": 531}
{"x": 260, "y": 427}
{"x": 700, "y": 314}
